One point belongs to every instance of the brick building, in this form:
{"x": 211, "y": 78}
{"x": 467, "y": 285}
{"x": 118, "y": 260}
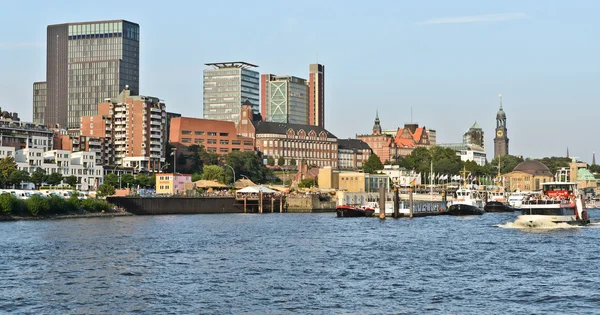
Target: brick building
{"x": 312, "y": 144}
{"x": 215, "y": 135}
{"x": 352, "y": 154}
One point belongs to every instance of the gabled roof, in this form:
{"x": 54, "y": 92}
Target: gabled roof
{"x": 282, "y": 128}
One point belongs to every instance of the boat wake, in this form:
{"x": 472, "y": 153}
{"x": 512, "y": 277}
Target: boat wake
{"x": 538, "y": 224}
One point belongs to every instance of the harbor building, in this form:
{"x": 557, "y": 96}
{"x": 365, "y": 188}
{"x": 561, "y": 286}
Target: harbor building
{"x": 352, "y": 181}
{"x": 295, "y": 143}
{"x": 527, "y": 176}
{"x": 501, "y": 138}
{"x": 79, "y": 164}
{"x": 86, "y": 63}
{"x": 316, "y": 92}
{"x": 226, "y": 86}
{"x": 352, "y": 154}
{"x": 284, "y": 99}
{"x": 216, "y": 136}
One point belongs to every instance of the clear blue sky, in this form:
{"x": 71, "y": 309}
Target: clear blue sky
{"x": 448, "y": 60}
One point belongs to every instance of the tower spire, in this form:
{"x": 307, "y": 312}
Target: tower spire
{"x": 567, "y": 152}
{"x": 593, "y": 158}
{"x": 500, "y": 95}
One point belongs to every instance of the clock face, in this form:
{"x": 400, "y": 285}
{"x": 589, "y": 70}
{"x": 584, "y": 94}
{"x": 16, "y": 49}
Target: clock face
{"x": 499, "y": 133}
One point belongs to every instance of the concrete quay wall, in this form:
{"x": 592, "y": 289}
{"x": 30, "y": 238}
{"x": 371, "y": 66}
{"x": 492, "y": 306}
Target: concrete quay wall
{"x": 177, "y": 205}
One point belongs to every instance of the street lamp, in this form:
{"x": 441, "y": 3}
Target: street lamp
{"x": 232, "y": 171}
{"x": 174, "y": 154}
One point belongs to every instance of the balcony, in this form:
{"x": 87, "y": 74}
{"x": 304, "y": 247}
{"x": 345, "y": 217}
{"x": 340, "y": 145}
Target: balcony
{"x": 157, "y": 117}
{"x": 120, "y": 115}
{"x": 155, "y": 123}
{"x": 155, "y": 136}
{"x": 155, "y": 149}
{"x": 156, "y": 143}
{"x": 95, "y": 143}
{"x": 155, "y": 109}
{"x": 120, "y": 142}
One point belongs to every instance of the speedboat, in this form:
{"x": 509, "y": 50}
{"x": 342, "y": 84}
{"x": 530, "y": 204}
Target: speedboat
{"x": 468, "y": 201}
{"x": 348, "y": 211}
{"x": 560, "y": 202}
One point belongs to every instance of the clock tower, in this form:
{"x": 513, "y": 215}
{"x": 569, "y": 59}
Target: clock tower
{"x": 501, "y": 138}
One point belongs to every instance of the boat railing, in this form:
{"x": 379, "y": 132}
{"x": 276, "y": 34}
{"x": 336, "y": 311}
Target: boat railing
{"x": 547, "y": 202}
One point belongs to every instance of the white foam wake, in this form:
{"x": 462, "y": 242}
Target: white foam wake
{"x": 542, "y": 224}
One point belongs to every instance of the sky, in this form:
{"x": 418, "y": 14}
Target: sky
{"x": 445, "y": 60}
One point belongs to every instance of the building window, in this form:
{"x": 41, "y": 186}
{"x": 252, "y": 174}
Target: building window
{"x": 186, "y": 132}
{"x": 199, "y": 133}
{"x": 224, "y": 142}
{"x": 223, "y": 150}
{"x": 211, "y": 141}
{"x": 212, "y": 133}
{"x": 236, "y": 142}
{"x": 186, "y": 140}
{"x": 224, "y": 134}
{"x": 198, "y": 140}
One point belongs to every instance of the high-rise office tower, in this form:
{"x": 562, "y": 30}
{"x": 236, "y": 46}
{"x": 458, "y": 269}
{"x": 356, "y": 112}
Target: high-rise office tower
{"x": 284, "y": 99}
{"x": 316, "y": 86}
{"x": 86, "y": 63}
{"x": 226, "y": 86}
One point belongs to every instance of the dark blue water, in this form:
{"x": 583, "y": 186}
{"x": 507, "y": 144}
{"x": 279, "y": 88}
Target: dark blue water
{"x": 297, "y": 263}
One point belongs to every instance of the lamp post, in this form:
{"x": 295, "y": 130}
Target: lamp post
{"x": 174, "y": 154}
{"x": 233, "y": 173}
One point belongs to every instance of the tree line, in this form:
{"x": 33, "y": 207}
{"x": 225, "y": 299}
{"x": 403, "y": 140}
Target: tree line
{"x": 10, "y": 175}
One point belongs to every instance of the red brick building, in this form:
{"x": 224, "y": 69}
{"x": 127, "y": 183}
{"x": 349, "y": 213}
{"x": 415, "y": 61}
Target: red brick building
{"x": 216, "y": 136}
{"x": 311, "y": 144}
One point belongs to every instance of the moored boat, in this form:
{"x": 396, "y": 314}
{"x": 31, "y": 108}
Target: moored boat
{"x": 497, "y": 206}
{"x": 348, "y": 211}
{"x": 467, "y": 202}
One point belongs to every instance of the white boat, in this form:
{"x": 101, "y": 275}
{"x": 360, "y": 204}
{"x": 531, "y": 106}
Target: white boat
{"x": 560, "y": 202}
{"x": 468, "y": 201}
{"x": 516, "y": 198}
{"x": 389, "y": 208}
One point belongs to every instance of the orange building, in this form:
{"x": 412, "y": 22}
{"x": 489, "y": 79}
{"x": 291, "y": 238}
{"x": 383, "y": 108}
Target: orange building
{"x": 215, "y": 135}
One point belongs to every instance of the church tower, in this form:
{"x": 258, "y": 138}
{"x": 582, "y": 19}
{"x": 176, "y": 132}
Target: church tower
{"x": 377, "y": 125}
{"x": 501, "y": 139}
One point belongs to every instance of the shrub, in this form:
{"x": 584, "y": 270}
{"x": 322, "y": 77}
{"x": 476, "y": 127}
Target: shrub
{"x": 7, "y": 203}
{"x": 37, "y": 205}
{"x": 73, "y": 204}
{"x": 56, "y": 204}
{"x": 88, "y": 205}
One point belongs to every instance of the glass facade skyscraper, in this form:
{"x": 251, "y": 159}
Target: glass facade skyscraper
{"x": 226, "y": 87}
{"x": 286, "y": 99}
{"x": 87, "y": 63}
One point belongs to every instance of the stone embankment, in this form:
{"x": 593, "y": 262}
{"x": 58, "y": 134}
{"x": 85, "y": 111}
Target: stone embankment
{"x": 66, "y": 216}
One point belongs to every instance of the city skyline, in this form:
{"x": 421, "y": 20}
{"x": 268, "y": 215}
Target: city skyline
{"x": 447, "y": 64}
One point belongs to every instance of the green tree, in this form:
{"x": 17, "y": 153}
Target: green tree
{"x": 214, "y": 172}
{"x": 270, "y": 161}
{"x": 37, "y": 205}
{"x": 16, "y": 177}
{"x": 7, "y": 166}
{"x": 71, "y": 181}
{"x": 106, "y": 190}
{"x": 152, "y": 181}
{"x": 111, "y": 179}
{"x": 309, "y": 182}
{"x": 293, "y": 162}
{"x": 594, "y": 168}
{"x": 142, "y": 180}
{"x": 54, "y": 179}
{"x": 38, "y": 176}
{"x": 373, "y": 164}
{"x": 507, "y": 163}
{"x": 281, "y": 161}
{"x": 248, "y": 164}
{"x": 127, "y": 180}
{"x": 196, "y": 177}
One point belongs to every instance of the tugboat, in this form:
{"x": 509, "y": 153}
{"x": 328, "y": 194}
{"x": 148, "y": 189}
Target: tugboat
{"x": 560, "y": 202}
{"x": 496, "y": 202}
{"x": 353, "y": 211}
{"x": 468, "y": 201}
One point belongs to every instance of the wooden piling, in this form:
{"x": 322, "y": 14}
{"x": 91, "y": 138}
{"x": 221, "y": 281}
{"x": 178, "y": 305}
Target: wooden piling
{"x": 245, "y": 199}
{"x": 272, "y": 204}
{"x": 410, "y": 203}
{"x": 382, "y": 203}
{"x": 260, "y": 202}
{"x": 281, "y": 204}
{"x": 396, "y": 203}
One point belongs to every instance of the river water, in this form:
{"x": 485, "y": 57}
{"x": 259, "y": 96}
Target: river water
{"x": 297, "y": 263}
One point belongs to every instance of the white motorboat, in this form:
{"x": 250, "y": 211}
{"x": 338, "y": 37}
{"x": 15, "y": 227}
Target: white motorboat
{"x": 468, "y": 201}
{"x": 560, "y": 202}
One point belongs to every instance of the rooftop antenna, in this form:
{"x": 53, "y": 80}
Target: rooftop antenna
{"x": 500, "y": 95}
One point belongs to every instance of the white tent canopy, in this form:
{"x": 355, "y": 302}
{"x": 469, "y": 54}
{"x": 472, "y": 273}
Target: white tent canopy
{"x": 256, "y": 189}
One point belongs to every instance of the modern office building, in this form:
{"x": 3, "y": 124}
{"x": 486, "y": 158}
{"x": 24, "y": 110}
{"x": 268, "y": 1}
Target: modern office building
{"x": 39, "y": 102}
{"x": 86, "y": 63}
{"x": 316, "y": 90}
{"x": 284, "y": 99}
{"x": 226, "y": 86}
